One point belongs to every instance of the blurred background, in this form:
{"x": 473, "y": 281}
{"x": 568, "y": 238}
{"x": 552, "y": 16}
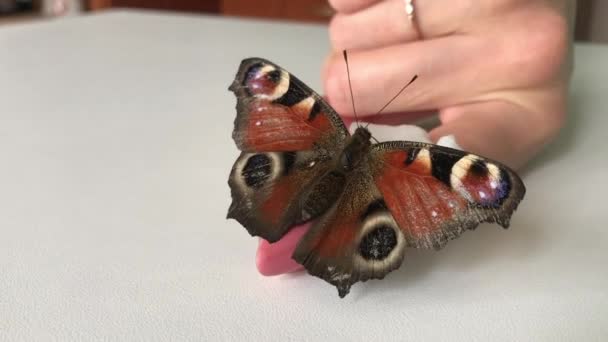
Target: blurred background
{"x": 591, "y": 25}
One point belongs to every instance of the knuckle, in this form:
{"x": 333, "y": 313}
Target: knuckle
{"x": 338, "y": 5}
{"x": 550, "y": 124}
{"x": 337, "y": 32}
{"x": 551, "y": 39}
{"x": 550, "y": 114}
{"x": 556, "y": 119}
{"x": 543, "y": 51}
{"x": 334, "y": 80}
{"x": 347, "y": 6}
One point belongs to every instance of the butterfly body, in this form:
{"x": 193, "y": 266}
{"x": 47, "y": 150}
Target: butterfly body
{"x": 356, "y": 150}
{"x": 369, "y": 201}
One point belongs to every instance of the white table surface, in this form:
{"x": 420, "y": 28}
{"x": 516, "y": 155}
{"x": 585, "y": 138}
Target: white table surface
{"x": 115, "y": 147}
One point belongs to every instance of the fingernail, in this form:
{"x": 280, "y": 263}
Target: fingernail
{"x": 401, "y": 132}
{"x": 275, "y": 258}
{"x": 449, "y": 141}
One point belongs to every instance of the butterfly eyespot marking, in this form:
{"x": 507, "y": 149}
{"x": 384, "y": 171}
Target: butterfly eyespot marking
{"x": 480, "y": 182}
{"x": 381, "y": 242}
{"x": 257, "y": 170}
{"x": 266, "y": 82}
{"x": 254, "y": 171}
{"x": 378, "y": 243}
{"x": 274, "y": 76}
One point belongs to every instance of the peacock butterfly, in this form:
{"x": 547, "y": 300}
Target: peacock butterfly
{"x": 369, "y": 201}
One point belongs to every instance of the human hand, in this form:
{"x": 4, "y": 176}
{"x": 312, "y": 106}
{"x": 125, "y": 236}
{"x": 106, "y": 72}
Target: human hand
{"x": 497, "y": 71}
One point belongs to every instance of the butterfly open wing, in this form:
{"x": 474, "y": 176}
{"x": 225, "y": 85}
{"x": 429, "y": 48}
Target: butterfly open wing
{"x": 435, "y": 193}
{"x": 405, "y": 194}
{"x": 289, "y": 136}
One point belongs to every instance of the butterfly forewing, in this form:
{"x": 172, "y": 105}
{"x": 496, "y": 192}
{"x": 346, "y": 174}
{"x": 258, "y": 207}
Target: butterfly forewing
{"x": 277, "y": 112}
{"x": 435, "y": 193}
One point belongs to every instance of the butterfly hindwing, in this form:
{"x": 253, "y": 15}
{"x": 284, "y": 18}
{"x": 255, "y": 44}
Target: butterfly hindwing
{"x": 356, "y": 240}
{"x": 267, "y": 188}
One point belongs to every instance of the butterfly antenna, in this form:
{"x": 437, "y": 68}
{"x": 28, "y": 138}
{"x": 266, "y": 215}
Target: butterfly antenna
{"x": 399, "y": 93}
{"x": 350, "y": 87}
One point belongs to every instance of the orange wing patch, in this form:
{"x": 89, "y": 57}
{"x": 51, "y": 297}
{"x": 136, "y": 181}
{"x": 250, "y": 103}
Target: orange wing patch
{"x": 273, "y": 127}
{"x": 419, "y": 202}
{"x": 283, "y": 193}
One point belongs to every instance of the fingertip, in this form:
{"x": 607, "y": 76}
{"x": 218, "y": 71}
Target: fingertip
{"x": 274, "y": 259}
{"x": 448, "y": 115}
{"x": 270, "y": 263}
{"x": 267, "y": 262}
{"x": 335, "y": 4}
{"x": 350, "y": 6}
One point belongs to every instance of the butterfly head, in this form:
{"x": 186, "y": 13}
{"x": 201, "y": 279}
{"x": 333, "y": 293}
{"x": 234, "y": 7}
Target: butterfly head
{"x": 362, "y": 134}
{"x": 355, "y": 149}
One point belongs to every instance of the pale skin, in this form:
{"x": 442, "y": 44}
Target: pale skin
{"x": 496, "y": 71}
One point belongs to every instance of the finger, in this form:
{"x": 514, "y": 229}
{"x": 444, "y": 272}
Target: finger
{"x": 275, "y": 258}
{"x": 397, "y": 119}
{"x": 382, "y": 24}
{"x": 349, "y": 6}
{"x": 386, "y": 22}
{"x": 501, "y": 130}
{"x": 450, "y": 70}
